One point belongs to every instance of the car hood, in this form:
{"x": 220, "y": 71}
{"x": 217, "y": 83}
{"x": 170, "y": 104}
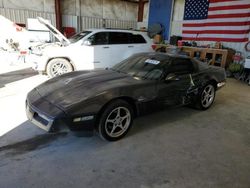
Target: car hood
{"x": 62, "y": 39}
{"x": 70, "y": 89}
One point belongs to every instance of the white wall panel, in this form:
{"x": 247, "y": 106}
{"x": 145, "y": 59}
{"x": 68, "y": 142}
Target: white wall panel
{"x": 90, "y": 22}
{"x": 178, "y": 10}
{"x": 146, "y": 12}
{"x": 20, "y": 16}
{"x": 109, "y": 9}
{"x": 176, "y": 27}
{"x": 92, "y": 8}
{"x": 69, "y": 21}
{"x": 33, "y": 5}
{"x": 49, "y": 6}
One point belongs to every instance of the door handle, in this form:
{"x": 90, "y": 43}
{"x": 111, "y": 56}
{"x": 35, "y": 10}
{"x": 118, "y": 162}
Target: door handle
{"x": 130, "y": 46}
{"x": 106, "y": 47}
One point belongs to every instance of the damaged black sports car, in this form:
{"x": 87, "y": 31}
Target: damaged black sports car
{"x": 108, "y": 100}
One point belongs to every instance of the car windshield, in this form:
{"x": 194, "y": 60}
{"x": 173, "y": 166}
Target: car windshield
{"x": 143, "y": 66}
{"x": 78, "y": 36}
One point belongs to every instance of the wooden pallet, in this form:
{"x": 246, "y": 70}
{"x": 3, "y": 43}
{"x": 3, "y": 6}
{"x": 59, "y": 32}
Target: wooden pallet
{"x": 203, "y": 53}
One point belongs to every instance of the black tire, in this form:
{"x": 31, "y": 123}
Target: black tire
{"x": 200, "y": 100}
{"x": 58, "y": 66}
{"x": 105, "y": 128}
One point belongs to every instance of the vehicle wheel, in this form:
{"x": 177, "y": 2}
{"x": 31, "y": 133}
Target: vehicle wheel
{"x": 115, "y": 121}
{"x": 58, "y": 66}
{"x": 206, "y": 97}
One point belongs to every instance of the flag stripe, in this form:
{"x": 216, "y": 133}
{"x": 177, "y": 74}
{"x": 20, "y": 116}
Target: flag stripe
{"x": 217, "y": 39}
{"x": 225, "y": 3}
{"x": 217, "y": 32}
{"x": 247, "y": 23}
{"x": 229, "y": 15}
{"x": 217, "y": 12}
{"x": 229, "y": 7}
{"x": 217, "y": 20}
{"x": 219, "y": 1}
{"x": 197, "y": 35}
{"x": 209, "y": 28}
{"x": 225, "y": 20}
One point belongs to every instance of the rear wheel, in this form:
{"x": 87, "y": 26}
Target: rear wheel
{"x": 115, "y": 121}
{"x": 58, "y": 66}
{"x": 206, "y": 97}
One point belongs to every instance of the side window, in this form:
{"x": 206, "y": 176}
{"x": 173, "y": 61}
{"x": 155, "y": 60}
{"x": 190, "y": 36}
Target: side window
{"x": 137, "y": 39}
{"x": 100, "y": 38}
{"x": 181, "y": 66}
{"x": 118, "y": 38}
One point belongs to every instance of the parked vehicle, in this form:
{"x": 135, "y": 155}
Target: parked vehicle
{"x": 93, "y": 48}
{"x": 108, "y": 100}
{"x": 12, "y": 36}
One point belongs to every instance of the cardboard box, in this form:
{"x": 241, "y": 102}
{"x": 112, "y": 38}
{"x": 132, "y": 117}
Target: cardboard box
{"x": 157, "y": 39}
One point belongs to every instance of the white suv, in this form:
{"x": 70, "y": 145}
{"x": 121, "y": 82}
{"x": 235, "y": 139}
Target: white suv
{"x": 94, "y": 48}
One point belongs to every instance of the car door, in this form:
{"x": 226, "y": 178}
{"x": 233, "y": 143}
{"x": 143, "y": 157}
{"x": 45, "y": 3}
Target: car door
{"x": 139, "y": 44}
{"x": 102, "y": 52}
{"x": 178, "y": 80}
{"x": 120, "y": 46}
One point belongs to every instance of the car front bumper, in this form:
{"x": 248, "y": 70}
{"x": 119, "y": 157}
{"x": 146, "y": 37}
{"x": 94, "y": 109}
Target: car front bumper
{"x": 61, "y": 123}
{"x": 39, "y": 119}
{"x": 38, "y": 62}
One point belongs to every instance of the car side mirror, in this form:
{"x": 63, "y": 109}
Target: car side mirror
{"x": 171, "y": 77}
{"x": 87, "y": 43}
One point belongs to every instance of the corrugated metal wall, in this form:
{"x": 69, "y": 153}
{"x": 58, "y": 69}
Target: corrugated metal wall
{"x": 93, "y": 22}
{"x": 176, "y": 28}
{"x": 20, "y": 16}
{"x": 120, "y": 24}
{"x": 69, "y": 21}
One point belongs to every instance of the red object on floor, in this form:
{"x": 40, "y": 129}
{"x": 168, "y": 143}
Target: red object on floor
{"x": 69, "y": 31}
{"x": 153, "y": 46}
{"x": 19, "y": 27}
{"x": 180, "y": 43}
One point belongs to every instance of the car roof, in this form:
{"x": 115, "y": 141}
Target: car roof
{"x": 119, "y": 30}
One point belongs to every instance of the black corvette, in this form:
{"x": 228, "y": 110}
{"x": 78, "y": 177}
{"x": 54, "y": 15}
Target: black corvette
{"x": 108, "y": 100}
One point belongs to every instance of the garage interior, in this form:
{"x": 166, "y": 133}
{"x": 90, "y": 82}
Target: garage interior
{"x": 175, "y": 148}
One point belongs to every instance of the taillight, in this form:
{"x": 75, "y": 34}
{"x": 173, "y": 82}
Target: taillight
{"x": 153, "y": 46}
{"x": 23, "y": 52}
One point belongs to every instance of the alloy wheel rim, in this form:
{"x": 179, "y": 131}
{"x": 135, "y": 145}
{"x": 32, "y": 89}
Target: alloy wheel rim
{"x": 59, "y": 68}
{"x": 207, "y": 96}
{"x": 117, "y": 122}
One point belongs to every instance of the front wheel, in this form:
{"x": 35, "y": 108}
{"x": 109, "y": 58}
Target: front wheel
{"x": 58, "y": 66}
{"x": 206, "y": 97}
{"x": 115, "y": 121}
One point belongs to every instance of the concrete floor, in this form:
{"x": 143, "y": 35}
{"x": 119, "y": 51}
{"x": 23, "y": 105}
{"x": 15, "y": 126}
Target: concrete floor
{"x": 176, "y": 148}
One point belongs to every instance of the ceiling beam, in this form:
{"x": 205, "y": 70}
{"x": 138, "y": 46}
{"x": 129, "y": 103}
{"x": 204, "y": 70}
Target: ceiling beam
{"x": 58, "y": 15}
{"x": 141, "y": 4}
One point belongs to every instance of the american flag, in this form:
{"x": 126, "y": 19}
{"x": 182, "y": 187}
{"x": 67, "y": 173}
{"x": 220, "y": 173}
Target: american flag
{"x": 216, "y": 20}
